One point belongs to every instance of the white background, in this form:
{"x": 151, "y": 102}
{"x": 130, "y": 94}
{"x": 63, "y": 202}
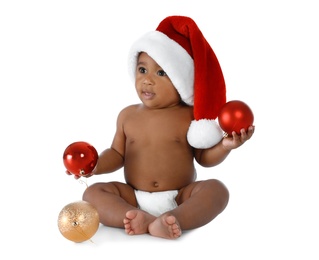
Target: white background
{"x": 63, "y": 78}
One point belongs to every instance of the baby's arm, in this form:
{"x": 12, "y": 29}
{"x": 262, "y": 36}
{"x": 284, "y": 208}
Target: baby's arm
{"x": 112, "y": 158}
{"x": 109, "y": 161}
{"x": 218, "y": 153}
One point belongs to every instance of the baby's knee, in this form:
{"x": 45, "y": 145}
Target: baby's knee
{"x": 88, "y": 193}
{"x": 99, "y": 189}
{"x": 221, "y": 191}
{"x": 219, "y": 185}
{"x": 92, "y": 191}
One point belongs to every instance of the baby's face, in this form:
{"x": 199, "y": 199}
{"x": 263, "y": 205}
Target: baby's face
{"x": 153, "y": 85}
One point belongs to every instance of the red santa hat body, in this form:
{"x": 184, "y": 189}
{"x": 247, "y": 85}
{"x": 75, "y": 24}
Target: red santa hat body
{"x": 179, "y": 47}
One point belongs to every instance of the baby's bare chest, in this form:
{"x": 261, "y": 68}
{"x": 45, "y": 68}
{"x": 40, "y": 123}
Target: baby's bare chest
{"x": 166, "y": 128}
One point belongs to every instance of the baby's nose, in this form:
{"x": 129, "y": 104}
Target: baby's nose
{"x": 148, "y": 80}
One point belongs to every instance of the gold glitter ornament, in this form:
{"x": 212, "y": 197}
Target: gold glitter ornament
{"x": 78, "y": 221}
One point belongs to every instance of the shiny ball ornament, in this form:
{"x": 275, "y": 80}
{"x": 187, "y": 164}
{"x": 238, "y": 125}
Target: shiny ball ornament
{"x": 78, "y": 221}
{"x": 80, "y": 158}
{"x": 235, "y": 115}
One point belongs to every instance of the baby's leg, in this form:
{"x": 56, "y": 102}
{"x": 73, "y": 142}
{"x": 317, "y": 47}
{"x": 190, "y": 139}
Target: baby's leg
{"x": 112, "y": 200}
{"x": 199, "y": 203}
{"x": 137, "y": 221}
{"x": 165, "y": 226}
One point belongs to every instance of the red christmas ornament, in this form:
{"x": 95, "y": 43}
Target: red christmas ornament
{"x": 235, "y": 115}
{"x": 80, "y": 158}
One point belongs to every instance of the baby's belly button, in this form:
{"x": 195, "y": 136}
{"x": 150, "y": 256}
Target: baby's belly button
{"x": 155, "y": 184}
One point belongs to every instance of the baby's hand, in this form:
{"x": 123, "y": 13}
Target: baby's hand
{"x": 234, "y": 141}
{"x": 79, "y": 176}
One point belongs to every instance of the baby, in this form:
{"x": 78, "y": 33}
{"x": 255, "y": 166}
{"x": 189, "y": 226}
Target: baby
{"x": 156, "y": 142}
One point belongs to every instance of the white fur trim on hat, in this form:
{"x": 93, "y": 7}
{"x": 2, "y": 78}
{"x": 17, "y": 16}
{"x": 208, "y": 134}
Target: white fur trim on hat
{"x": 173, "y": 59}
{"x": 204, "y": 133}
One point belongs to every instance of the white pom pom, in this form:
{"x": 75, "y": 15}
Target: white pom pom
{"x": 204, "y": 133}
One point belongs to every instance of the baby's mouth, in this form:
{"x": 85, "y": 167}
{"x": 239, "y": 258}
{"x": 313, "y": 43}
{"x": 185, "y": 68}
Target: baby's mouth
{"x": 148, "y": 95}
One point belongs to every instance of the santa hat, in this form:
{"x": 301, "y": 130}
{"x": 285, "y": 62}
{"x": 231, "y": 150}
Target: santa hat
{"x": 179, "y": 47}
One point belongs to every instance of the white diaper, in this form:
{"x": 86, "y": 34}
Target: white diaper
{"x": 156, "y": 203}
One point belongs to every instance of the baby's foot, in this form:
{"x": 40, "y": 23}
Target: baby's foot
{"x": 137, "y": 221}
{"x": 165, "y": 226}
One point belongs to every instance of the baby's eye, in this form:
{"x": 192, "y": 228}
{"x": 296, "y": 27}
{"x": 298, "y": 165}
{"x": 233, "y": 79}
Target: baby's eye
{"x": 142, "y": 70}
{"x": 161, "y": 73}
